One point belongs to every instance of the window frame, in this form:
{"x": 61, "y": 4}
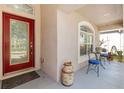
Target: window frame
{"x": 84, "y": 58}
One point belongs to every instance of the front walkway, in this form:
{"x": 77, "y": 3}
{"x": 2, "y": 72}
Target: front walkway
{"x": 111, "y": 77}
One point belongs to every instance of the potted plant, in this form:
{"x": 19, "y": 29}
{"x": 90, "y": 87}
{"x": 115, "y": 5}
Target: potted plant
{"x": 120, "y": 55}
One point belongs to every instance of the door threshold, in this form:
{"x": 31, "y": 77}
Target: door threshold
{"x": 19, "y": 72}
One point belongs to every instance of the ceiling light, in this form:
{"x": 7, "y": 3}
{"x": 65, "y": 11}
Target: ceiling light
{"x": 16, "y": 6}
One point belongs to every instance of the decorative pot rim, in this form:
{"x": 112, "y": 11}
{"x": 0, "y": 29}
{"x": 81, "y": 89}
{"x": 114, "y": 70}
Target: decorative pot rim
{"x": 68, "y": 64}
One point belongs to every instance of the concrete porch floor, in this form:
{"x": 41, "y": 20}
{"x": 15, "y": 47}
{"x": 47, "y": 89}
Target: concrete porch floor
{"x": 110, "y": 78}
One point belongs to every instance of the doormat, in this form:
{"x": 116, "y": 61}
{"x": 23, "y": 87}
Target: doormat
{"x": 18, "y": 80}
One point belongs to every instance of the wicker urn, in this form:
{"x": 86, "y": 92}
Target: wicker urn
{"x": 67, "y": 75}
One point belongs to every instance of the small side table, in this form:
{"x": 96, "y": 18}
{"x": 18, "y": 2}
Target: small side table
{"x": 105, "y": 57}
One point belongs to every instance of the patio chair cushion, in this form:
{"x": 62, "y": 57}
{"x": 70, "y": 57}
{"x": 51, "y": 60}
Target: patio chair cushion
{"x": 94, "y": 61}
{"x": 104, "y": 55}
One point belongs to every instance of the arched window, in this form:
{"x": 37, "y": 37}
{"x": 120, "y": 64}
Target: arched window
{"x": 86, "y": 40}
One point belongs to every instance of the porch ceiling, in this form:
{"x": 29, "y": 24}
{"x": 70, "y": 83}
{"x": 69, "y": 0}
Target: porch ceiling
{"x": 103, "y": 14}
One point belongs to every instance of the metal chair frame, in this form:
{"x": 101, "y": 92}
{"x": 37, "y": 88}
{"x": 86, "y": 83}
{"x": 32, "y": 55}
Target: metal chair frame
{"x": 96, "y": 66}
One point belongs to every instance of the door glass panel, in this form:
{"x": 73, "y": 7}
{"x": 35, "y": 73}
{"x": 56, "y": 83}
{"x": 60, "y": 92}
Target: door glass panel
{"x": 19, "y": 47}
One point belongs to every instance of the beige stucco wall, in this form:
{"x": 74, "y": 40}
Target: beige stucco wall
{"x": 36, "y": 17}
{"x": 59, "y": 39}
{"x": 67, "y": 38}
{"x": 49, "y": 39}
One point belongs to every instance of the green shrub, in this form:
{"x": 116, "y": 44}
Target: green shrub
{"x": 120, "y": 53}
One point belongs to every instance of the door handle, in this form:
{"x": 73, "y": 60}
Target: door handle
{"x": 31, "y": 46}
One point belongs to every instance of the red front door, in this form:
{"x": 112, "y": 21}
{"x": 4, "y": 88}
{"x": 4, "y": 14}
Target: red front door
{"x": 18, "y": 42}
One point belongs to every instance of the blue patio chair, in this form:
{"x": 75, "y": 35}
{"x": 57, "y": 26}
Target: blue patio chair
{"x": 94, "y": 62}
{"x": 105, "y": 56}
